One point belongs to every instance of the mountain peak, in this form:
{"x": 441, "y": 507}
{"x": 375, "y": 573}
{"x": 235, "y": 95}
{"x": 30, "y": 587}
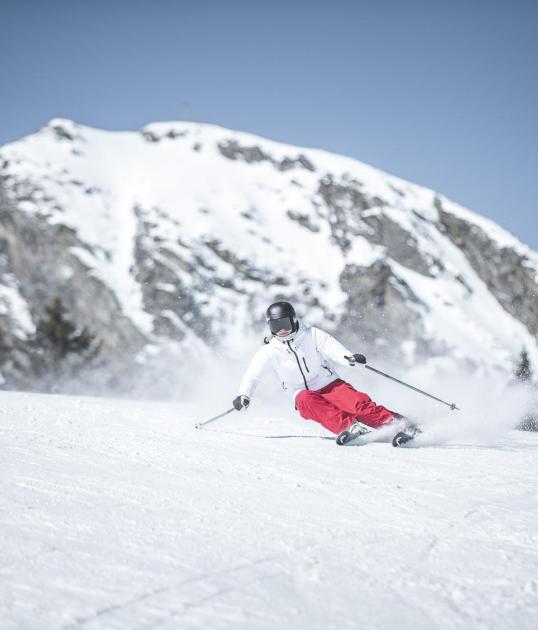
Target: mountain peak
{"x": 182, "y": 228}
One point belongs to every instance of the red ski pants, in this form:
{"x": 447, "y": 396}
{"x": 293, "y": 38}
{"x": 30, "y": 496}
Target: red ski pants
{"x": 338, "y": 404}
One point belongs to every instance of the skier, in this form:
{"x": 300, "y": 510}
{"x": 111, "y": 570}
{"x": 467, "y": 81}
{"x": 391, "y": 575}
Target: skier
{"x": 301, "y": 356}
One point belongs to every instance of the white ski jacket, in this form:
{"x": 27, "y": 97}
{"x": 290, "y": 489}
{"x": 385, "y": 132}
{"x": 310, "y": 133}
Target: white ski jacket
{"x": 303, "y": 363}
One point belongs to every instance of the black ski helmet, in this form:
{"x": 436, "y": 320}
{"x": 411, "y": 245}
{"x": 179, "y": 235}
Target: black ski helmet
{"x": 282, "y": 316}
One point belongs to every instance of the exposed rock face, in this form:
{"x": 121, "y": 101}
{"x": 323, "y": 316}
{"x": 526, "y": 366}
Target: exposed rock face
{"x": 39, "y": 261}
{"x": 233, "y": 150}
{"x": 42, "y": 257}
{"x": 400, "y": 244}
{"x": 185, "y": 233}
{"x": 378, "y": 307}
{"x": 344, "y": 201}
{"x": 508, "y": 274}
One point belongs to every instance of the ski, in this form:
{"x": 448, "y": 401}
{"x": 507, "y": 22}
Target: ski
{"x": 407, "y": 435}
{"x": 344, "y": 437}
{"x": 402, "y": 438}
{"x": 358, "y": 429}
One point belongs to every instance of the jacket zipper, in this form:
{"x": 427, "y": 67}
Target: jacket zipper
{"x": 298, "y": 365}
{"x": 306, "y": 366}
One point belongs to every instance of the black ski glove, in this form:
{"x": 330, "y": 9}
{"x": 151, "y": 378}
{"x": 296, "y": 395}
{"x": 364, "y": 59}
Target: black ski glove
{"x": 356, "y": 358}
{"x": 241, "y": 402}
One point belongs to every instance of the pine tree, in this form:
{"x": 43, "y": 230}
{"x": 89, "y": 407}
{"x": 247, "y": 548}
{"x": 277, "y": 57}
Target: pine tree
{"x": 4, "y": 345}
{"x": 523, "y": 372}
{"x": 59, "y": 345}
{"x": 4, "y": 353}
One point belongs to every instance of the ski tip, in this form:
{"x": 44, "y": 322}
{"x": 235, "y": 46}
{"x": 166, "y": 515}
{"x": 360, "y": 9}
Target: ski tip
{"x": 401, "y": 438}
{"x": 343, "y": 437}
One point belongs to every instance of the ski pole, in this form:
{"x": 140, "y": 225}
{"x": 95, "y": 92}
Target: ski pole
{"x": 199, "y": 425}
{"x": 451, "y": 405}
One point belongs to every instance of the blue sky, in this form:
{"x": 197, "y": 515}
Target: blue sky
{"x": 444, "y": 94}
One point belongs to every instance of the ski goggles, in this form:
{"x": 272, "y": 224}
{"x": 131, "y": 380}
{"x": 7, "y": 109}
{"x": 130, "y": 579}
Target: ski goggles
{"x": 284, "y": 323}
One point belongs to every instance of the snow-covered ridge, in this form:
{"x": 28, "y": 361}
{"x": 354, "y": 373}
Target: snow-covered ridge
{"x": 208, "y": 136}
{"x": 191, "y": 227}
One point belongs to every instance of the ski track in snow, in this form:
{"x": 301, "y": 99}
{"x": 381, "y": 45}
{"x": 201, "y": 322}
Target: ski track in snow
{"x": 120, "y": 515}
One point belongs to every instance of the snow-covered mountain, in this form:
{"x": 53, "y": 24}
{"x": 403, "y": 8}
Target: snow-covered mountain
{"x": 170, "y": 242}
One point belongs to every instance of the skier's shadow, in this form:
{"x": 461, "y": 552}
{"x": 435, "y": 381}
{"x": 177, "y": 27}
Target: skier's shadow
{"x": 285, "y": 437}
{"x": 272, "y": 437}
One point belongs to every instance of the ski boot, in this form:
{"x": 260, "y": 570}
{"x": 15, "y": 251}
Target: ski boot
{"x": 353, "y": 431}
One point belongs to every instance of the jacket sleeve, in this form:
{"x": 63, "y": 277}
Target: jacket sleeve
{"x": 330, "y": 348}
{"x": 259, "y": 367}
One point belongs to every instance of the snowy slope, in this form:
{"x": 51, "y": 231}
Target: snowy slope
{"x": 193, "y": 229}
{"x": 121, "y": 515}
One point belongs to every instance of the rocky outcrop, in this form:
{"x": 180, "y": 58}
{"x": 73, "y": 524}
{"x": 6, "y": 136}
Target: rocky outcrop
{"x": 232, "y": 150}
{"x": 399, "y": 244}
{"x": 381, "y": 312}
{"x": 41, "y": 261}
{"x": 342, "y": 204}
{"x": 507, "y": 273}
{"x": 44, "y": 260}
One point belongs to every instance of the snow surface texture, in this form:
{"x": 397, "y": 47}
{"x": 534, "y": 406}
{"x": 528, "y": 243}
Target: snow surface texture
{"x": 191, "y": 224}
{"x": 120, "y": 515}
